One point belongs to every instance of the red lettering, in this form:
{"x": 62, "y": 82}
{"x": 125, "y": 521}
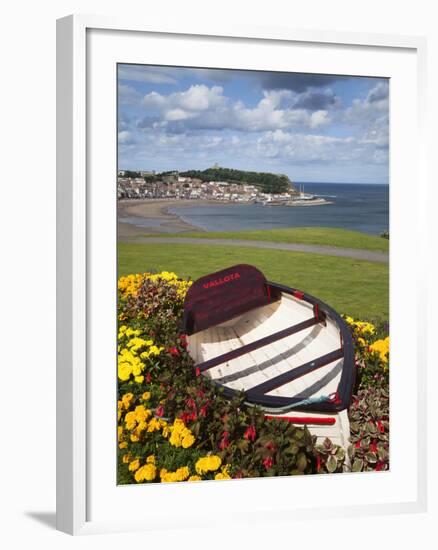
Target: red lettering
{"x": 218, "y": 282}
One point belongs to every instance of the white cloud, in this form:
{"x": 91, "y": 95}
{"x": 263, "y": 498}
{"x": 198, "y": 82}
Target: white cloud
{"x": 196, "y": 98}
{"x": 203, "y": 108}
{"x": 176, "y": 114}
{"x": 124, "y": 137}
{"x": 319, "y": 118}
{"x": 316, "y": 148}
{"x": 128, "y": 95}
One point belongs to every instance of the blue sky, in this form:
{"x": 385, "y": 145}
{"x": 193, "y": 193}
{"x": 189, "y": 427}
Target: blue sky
{"x": 311, "y": 127}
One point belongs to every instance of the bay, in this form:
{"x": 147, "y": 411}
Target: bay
{"x": 359, "y": 207}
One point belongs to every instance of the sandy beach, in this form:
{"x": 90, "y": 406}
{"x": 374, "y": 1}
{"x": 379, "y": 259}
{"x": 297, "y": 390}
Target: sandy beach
{"x": 138, "y": 217}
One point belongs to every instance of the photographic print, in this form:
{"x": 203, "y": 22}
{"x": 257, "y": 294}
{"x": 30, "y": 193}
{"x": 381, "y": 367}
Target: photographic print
{"x": 253, "y": 274}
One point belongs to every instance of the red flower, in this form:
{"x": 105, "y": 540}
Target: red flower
{"x": 357, "y": 444}
{"x": 159, "y": 411}
{"x": 380, "y": 427}
{"x": 183, "y": 340}
{"x": 373, "y": 446}
{"x": 203, "y": 411}
{"x": 188, "y": 416}
{"x": 250, "y": 433}
{"x": 318, "y": 463}
{"x": 174, "y": 351}
{"x": 379, "y": 465}
{"x": 268, "y": 462}
{"x": 190, "y": 403}
{"x": 225, "y": 442}
{"x": 148, "y": 377}
{"x": 270, "y": 445}
{"x": 197, "y": 371}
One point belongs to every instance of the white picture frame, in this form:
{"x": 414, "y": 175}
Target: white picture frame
{"x": 77, "y": 219}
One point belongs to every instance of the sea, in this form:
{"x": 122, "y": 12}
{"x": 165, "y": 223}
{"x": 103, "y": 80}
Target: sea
{"x": 359, "y": 207}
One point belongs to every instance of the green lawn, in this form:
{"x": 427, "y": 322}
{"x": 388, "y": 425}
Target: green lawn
{"x": 304, "y": 235}
{"x": 354, "y": 287}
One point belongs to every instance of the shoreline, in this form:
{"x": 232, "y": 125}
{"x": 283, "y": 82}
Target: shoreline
{"x": 139, "y": 217}
{"x": 153, "y": 216}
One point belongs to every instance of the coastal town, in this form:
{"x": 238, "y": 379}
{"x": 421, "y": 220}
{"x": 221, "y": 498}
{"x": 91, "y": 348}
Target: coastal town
{"x": 175, "y": 186}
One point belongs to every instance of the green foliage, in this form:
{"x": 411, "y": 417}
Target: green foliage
{"x": 369, "y": 428}
{"x": 266, "y": 182}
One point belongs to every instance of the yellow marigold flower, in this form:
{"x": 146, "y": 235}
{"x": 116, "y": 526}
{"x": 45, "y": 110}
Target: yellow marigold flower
{"x": 142, "y": 426}
{"x": 163, "y": 472}
{"x": 208, "y": 463}
{"x": 223, "y": 474}
{"x": 126, "y": 458}
{"x": 139, "y": 379}
{"x": 134, "y": 438}
{"x": 126, "y": 399}
{"x": 175, "y": 439}
{"x": 124, "y": 371}
{"x": 136, "y": 370}
{"x": 147, "y": 472}
{"x": 154, "y": 425}
{"x": 141, "y": 413}
{"x": 144, "y": 355}
{"x": 123, "y": 445}
{"x": 130, "y": 420}
{"x": 150, "y": 459}
{"x": 364, "y": 327}
{"x": 194, "y": 478}
{"x": 119, "y": 432}
{"x": 382, "y": 348}
{"x": 179, "y": 433}
{"x": 187, "y": 441}
{"x": 154, "y": 350}
{"x": 146, "y": 395}
{"x": 181, "y": 474}
{"x": 134, "y": 465}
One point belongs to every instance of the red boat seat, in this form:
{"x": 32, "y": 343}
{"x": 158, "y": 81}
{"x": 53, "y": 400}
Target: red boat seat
{"x": 224, "y": 295}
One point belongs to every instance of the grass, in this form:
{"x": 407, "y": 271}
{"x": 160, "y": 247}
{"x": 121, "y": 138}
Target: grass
{"x": 353, "y": 287}
{"x": 327, "y": 236}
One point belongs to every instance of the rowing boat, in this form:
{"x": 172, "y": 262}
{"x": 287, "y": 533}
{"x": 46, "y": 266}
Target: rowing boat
{"x": 290, "y": 353}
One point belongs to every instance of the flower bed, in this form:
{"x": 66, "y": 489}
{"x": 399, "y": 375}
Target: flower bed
{"x": 174, "y": 426}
